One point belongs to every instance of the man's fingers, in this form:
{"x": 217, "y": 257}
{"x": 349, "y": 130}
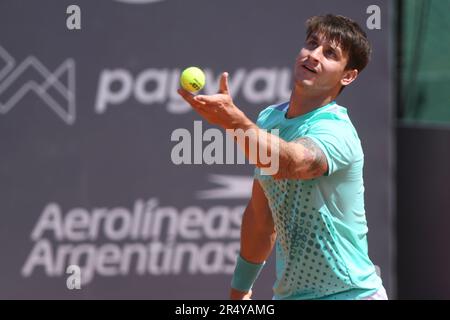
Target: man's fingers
{"x": 205, "y": 99}
{"x": 190, "y": 98}
{"x": 223, "y": 87}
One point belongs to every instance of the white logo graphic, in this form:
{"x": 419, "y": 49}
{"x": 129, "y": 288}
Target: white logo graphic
{"x": 139, "y": 1}
{"x": 51, "y": 87}
{"x": 159, "y": 86}
{"x": 232, "y": 187}
{"x": 145, "y": 238}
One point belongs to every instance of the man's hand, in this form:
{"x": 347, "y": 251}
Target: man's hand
{"x": 239, "y": 295}
{"x": 219, "y": 108}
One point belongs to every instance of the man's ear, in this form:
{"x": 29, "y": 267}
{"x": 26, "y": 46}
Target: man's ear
{"x": 349, "y": 76}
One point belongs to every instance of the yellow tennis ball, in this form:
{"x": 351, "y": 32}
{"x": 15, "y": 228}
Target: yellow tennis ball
{"x": 192, "y": 79}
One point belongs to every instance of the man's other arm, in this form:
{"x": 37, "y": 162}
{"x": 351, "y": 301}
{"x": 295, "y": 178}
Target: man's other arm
{"x": 257, "y": 233}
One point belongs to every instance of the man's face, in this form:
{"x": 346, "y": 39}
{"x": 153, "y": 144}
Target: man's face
{"x": 320, "y": 65}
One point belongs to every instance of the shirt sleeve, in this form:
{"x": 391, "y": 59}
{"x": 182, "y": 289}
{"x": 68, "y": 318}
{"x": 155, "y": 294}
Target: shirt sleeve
{"x": 338, "y": 141}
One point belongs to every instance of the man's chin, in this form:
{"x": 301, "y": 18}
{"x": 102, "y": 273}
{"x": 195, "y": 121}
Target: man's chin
{"x": 306, "y": 83}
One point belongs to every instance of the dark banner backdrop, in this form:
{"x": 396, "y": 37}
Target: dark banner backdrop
{"x": 422, "y": 219}
{"x": 86, "y": 118}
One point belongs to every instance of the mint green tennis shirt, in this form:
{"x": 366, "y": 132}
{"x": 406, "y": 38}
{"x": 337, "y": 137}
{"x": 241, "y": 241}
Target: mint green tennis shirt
{"x": 321, "y": 247}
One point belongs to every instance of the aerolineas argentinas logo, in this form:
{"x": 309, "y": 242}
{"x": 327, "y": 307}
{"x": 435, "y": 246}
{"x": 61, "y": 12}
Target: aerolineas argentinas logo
{"x": 258, "y": 145}
{"x": 146, "y": 238}
{"x": 56, "y": 89}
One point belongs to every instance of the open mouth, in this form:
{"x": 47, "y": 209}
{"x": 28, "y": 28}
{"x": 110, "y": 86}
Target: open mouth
{"x": 309, "y": 69}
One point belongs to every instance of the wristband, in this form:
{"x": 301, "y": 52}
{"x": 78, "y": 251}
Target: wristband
{"x": 245, "y": 274}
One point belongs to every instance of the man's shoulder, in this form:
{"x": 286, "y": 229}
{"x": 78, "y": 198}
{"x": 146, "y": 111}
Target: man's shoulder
{"x": 335, "y": 118}
{"x": 333, "y": 113}
{"x": 335, "y": 127}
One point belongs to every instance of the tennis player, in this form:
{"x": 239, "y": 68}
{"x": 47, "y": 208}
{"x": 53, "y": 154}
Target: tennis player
{"x": 312, "y": 208}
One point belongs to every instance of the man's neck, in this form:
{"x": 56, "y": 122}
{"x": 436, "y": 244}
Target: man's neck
{"x": 301, "y": 102}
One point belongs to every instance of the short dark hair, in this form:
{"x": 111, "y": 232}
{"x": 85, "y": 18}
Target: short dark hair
{"x": 345, "y": 32}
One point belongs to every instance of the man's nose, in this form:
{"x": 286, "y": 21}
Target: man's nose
{"x": 315, "y": 54}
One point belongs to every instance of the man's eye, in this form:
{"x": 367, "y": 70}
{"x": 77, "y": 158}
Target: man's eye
{"x": 331, "y": 53}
